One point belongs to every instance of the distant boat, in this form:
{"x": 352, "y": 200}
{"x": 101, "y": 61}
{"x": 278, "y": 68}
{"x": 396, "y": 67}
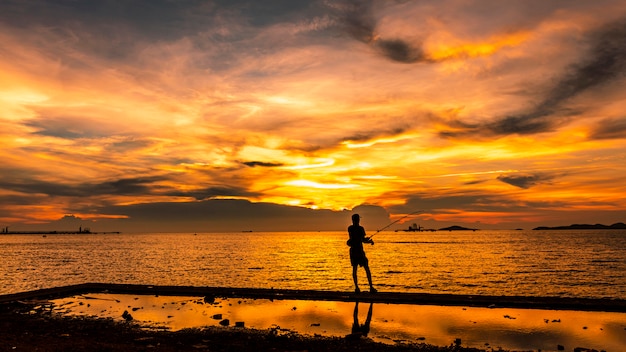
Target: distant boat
{"x": 414, "y": 228}
{"x": 417, "y": 228}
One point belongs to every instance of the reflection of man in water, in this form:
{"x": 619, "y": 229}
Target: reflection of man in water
{"x": 361, "y": 330}
{"x": 357, "y": 254}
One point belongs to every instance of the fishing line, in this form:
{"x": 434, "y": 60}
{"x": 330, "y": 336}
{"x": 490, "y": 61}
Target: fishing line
{"x": 406, "y": 216}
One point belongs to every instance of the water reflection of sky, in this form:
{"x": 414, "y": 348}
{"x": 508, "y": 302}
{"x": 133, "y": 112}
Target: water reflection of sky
{"x": 438, "y": 325}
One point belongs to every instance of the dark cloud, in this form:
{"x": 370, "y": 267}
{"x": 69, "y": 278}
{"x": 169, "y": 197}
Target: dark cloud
{"x": 360, "y": 23}
{"x": 220, "y": 215}
{"x": 261, "y": 164}
{"x": 358, "y": 20}
{"x": 605, "y": 62}
{"x": 40, "y": 187}
{"x": 74, "y": 125}
{"x": 264, "y": 13}
{"x": 444, "y": 204}
{"x": 140, "y": 186}
{"x": 117, "y": 26}
{"x": 151, "y": 18}
{"x": 126, "y": 186}
{"x": 67, "y": 128}
{"x": 609, "y": 129}
{"x": 17, "y": 199}
{"x": 215, "y": 191}
{"x": 524, "y": 181}
{"x": 129, "y": 143}
{"x": 401, "y": 51}
{"x": 479, "y": 201}
{"x": 369, "y": 135}
{"x": 475, "y": 182}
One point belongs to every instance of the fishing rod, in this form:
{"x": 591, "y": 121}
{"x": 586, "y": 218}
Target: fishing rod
{"x": 406, "y": 216}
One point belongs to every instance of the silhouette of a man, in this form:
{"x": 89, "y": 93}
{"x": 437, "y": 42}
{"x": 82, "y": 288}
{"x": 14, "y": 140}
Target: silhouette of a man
{"x": 357, "y": 254}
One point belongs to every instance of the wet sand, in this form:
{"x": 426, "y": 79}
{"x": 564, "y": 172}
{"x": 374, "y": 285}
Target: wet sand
{"x": 31, "y": 322}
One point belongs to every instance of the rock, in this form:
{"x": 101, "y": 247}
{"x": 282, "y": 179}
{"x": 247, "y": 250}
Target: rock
{"x": 457, "y": 341}
{"x": 239, "y": 324}
{"x": 127, "y": 316}
{"x": 560, "y": 347}
{"x": 354, "y": 336}
{"x": 217, "y": 316}
{"x": 209, "y": 299}
{"x": 225, "y": 322}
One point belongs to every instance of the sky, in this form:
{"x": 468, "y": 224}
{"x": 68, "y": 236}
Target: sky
{"x": 286, "y": 115}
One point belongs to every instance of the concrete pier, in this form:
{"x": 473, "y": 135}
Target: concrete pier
{"x": 556, "y": 303}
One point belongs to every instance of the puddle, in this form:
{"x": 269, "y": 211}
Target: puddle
{"x": 510, "y": 329}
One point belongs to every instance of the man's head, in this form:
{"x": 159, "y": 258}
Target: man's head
{"x": 356, "y": 218}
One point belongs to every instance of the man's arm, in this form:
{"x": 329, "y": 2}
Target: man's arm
{"x": 365, "y": 238}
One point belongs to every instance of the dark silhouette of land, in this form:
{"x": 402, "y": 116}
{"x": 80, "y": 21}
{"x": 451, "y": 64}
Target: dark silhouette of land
{"x": 616, "y": 226}
{"x": 81, "y": 230}
{"x": 417, "y": 228}
{"x": 456, "y": 228}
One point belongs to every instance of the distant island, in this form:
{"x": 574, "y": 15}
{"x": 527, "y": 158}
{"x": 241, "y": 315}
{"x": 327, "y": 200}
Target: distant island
{"x": 616, "y": 226}
{"x": 456, "y": 228}
{"x": 417, "y": 228}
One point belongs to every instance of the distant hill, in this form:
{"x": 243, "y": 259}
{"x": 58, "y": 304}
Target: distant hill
{"x": 456, "y": 228}
{"x": 617, "y": 226}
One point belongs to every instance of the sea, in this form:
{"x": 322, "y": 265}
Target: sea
{"x": 559, "y": 263}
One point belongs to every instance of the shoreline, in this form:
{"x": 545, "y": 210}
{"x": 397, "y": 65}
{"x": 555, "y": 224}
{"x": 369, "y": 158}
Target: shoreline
{"x": 528, "y": 302}
{"x": 33, "y": 321}
{"x": 33, "y": 326}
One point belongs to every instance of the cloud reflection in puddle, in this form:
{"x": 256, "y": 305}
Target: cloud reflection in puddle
{"x": 439, "y": 325}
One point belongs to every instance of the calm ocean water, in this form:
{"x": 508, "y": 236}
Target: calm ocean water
{"x": 533, "y": 263}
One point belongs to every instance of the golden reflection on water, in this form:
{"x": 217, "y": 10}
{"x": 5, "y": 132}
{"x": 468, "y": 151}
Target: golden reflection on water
{"x": 438, "y": 325}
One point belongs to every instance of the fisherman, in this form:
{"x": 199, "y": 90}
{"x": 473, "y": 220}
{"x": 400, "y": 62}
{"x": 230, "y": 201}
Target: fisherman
{"x": 357, "y": 254}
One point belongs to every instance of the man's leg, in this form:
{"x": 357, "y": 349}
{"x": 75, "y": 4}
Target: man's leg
{"x": 369, "y": 278}
{"x": 354, "y": 277}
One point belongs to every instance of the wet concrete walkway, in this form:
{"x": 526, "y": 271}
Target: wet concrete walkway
{"x": 555, "y": 303}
